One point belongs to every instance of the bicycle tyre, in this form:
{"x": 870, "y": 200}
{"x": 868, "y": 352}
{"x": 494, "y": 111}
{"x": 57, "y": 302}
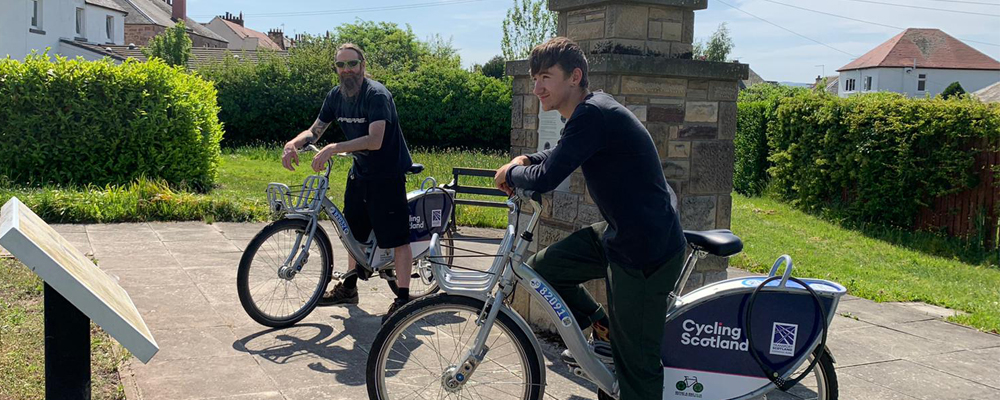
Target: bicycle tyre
{"x": 406, "y": 317}
{"x": 247, "y": 262}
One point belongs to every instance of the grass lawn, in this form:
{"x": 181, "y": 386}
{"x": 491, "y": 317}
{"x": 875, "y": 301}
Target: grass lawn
{"x": 239, "y": 194}
{"x": 22, "y": 341}
{"x": 880, "y": 266}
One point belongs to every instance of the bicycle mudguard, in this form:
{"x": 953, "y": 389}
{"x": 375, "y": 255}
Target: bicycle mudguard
{"x": 705, "y": 352}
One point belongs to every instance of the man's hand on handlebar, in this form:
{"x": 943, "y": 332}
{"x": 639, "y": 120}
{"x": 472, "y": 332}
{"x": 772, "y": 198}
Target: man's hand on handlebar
{"x": 500, "y": 178}
{"x": 319, "y": 162}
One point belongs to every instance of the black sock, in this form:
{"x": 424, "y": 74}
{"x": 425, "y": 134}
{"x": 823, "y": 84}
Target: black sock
{"x": 351, "y": 282}
{"x": 403, "y": 294}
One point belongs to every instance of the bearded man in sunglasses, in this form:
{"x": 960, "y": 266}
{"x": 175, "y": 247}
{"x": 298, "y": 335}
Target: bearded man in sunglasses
{"x": 375, "y": 198}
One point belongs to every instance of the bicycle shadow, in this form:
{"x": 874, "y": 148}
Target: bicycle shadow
{"x": 342, "y": 353}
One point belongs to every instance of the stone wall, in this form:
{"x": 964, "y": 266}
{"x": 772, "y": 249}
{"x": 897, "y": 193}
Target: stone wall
{"x": 639, "y": 52}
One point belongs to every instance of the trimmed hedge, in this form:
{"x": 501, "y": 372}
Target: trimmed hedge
{"x": 446, "y": 107}
{"x": 878, "y": 157}
{"x": 440, "y": 105}
{"x": 77, "y": 122}
{"x": 756, "y": 108}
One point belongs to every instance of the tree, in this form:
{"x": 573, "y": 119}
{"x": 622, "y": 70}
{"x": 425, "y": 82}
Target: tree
{"x": 173, "y": 46}
{"x": 494, "y": 67}
{"x": 718, "y": 47}
{"x": 954, "y": 89}
{"x": 527, "y": 25}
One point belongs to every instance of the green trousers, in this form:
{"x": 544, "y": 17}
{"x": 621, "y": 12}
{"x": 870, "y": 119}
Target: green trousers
{"x": 637, "y": 301}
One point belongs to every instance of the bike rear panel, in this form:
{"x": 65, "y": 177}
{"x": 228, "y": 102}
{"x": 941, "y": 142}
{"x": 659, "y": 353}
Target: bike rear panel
{"x": 704, "y": 339}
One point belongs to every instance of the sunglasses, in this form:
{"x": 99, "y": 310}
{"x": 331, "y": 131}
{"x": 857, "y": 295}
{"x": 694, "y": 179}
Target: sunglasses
{"x": 348, "y": 63}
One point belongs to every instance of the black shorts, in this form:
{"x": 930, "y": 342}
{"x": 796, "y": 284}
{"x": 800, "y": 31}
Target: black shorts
{"x": 378, "y": 204}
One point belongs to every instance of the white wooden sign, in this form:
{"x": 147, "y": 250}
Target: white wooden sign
{"x": 75, "y": 277}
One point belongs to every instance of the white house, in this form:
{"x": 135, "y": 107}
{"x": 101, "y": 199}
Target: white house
{"x": 919, "y": 62}
{"x": 61, "y": 25}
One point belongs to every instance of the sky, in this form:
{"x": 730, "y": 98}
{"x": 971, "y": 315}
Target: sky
{"x": 792, "y": 45}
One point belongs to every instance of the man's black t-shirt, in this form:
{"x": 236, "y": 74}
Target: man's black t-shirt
{"x": 373, "y": 103}
{"x": 624, "y": 177}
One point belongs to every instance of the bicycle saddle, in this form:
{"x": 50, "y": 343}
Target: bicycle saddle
{"x": 415, "y": 169}
{"x": 719, "y": 242}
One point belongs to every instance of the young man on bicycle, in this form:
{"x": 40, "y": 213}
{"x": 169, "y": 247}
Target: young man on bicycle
{"x": 639, "y": 248}
{"x": 375, "y": 197}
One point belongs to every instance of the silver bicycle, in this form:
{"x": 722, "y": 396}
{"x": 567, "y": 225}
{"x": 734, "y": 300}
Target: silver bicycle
{"x": 288, "y": 264}
{"x": 468, "y": 343}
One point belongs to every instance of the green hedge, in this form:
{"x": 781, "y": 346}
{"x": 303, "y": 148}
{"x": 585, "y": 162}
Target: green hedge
{"x": 440, "y": 105}
{"x": 446, "y": 107}
{"x": 877, "y": 157}
{"x": 750, "y": 172}
{"x": 76, "y": 122}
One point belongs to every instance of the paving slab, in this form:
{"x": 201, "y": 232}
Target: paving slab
{"x": 182, "y": 278}
{"x": 918, "y": 381}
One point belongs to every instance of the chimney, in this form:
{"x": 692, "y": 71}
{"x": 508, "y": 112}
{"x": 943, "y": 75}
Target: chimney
{"x": 278, "y": 37}
{"x": 179, "y": 10}
{"x": 234, "y": 19}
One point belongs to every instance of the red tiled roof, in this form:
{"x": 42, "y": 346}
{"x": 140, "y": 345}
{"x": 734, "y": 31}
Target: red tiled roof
{"x": 931, "y": 48}
{"x": 244, "y": 32}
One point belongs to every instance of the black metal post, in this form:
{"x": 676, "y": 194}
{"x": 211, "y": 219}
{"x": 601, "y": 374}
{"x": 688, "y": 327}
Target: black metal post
{"x": 67, "y": 349}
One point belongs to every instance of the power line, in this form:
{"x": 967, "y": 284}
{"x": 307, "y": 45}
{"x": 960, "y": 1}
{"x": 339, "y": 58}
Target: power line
{"x": 926, "y": 8}
{"x": 863, "y": 21}
{"x": 788, "y": 30}
{"x": 357, "y": 10}
{"x": 969, "y": 2}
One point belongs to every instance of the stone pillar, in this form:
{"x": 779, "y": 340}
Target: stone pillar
{"x": 639, "y": 51}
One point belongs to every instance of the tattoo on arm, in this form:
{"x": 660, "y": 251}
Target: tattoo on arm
{"x": 317, "y": 129}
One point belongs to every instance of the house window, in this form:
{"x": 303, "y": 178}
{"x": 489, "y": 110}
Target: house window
{"x": 921, "y": 82}
{"x": 868, "y": 83}
{"x": 849, "y": 85}
{"x": 36, "y": 14}
{"x": 79, "y": 21}
{"x": 109, "y": 26}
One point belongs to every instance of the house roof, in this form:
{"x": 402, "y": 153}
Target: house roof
{"x": 199, "y": 55}
{"x": 927, "y": 48}
{"x": 109, "y": 4}
{"x": 93, "y": 48}
{"x": 157, "y": 12}
{"x": 989, "y": 94}
{"x": 244, "y": 32}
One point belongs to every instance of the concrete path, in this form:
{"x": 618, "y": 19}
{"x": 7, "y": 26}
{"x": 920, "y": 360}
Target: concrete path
{"x": 182, "y": 278}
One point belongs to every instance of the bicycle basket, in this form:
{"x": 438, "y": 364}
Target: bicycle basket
{"x": 300, "y": 199}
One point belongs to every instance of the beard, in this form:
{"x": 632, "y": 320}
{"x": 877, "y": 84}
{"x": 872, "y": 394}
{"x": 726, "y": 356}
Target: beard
{"x": 350, "y": 84}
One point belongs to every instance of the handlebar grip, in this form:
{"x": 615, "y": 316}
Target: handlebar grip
{"x": 531, "y": 194}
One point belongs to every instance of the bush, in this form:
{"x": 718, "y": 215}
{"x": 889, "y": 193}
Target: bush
{"x": 954, "y": 89}
{"x": 750, "y": 174}
{"x": 878, "y": 157}
{"x": 439, "y": 104}
{"x": 76, "y": 122}
{"x": 755, "y": 110}
{"x": 444, "y": 107}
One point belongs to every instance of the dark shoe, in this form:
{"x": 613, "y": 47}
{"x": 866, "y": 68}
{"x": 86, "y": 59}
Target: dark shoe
{"x": 339, "y": 295}
{"x": 396, "y": 304}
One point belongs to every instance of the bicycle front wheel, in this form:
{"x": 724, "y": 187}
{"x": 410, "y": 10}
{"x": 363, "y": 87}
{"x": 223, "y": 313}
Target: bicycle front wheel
{"x": 820, "y": 384}
{"x": 424, "y": 343}
{"x": 272, "y": 291}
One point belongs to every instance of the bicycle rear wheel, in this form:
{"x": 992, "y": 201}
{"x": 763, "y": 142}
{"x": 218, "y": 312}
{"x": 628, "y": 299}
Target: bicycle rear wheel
{"x": 422, "y": 282}
{"x": 421, "y": 345}
{"x": 267, "y": 296}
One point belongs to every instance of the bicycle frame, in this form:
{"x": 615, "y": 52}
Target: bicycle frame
{"x": 368, "y": 255}
{"x": 479, "y": 285}
{"x": 509, "y": 269}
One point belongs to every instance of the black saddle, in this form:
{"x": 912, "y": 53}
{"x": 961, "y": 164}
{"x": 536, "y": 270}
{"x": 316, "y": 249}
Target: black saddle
{"x": 415, "y": 169}
{"x": 719, "y": 242}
